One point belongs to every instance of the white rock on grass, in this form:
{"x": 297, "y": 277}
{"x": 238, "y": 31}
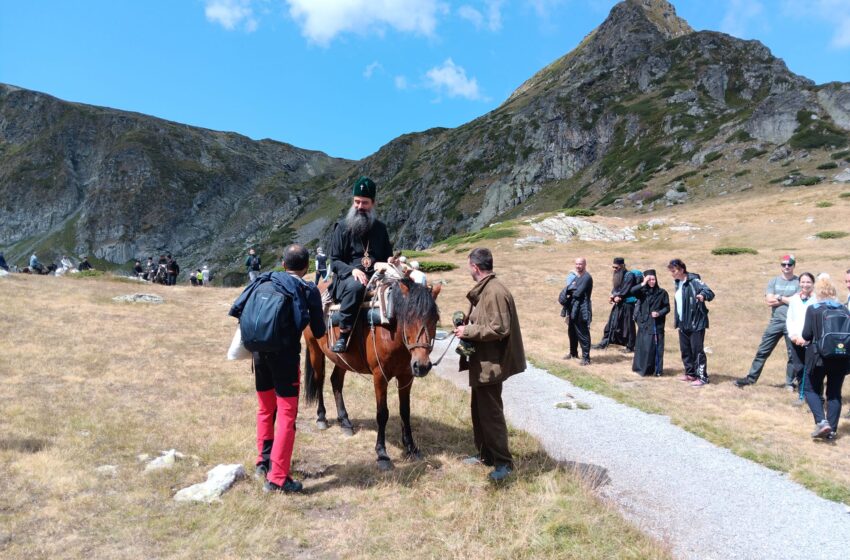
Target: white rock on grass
{"x": 139, "y": 298}
{"x": 219, "y": 479}
{"x": 567, "y": 228}
{"x": 164, "y": 461}
{"x": 843, "y": 177}
{"x": 3, "y": 273}
{"x": 530, "y": 240}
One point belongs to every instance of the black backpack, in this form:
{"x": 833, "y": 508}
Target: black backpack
{"x": 834, "y": 341}
{"x": 271, "y": 320}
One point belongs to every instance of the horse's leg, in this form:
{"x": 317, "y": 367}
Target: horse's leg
{"x": 383, "y": 414}
{"x": 337, "y": 381}
{"x": 411, "y": 451}
{"x": 314, "y": 379}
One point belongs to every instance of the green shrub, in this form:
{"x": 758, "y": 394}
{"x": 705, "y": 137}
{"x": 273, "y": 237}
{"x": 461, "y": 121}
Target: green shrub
{"x": 777, "y": 180}
{"x": 579, "y": 212}
{"x": 831, "y": 234}
{"x": 816, "y": 133}
{"x": 803, "y": 181}
{"x": 486, "y": 233}
{"x": 844, "y": 195}
{"x": 410, "y": 254}
{"x": 828, "y": 165}
{"x": 824, "y": 204}
{"x": 741, "y": 173}
{"x": 712, "y": 156}
{"x": 436, "y": 266}
{"x": 87, "y": 274}
{"x": 840, "y": 155}
{"x": 740, "y": 136}
{"x": 751, "y": 153}
{"x": 734, "y": 251}
{"x": 684, "y": 176}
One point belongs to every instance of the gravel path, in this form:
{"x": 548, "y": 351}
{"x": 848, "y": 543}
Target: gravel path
{"x": 702, "y": 500}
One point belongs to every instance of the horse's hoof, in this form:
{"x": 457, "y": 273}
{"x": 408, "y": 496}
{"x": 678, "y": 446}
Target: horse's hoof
{"x": 385, "y": 465}
{"x": 322, "y": 424}
{"x": 415, "y": 455}
{"x": 347, "y": 431}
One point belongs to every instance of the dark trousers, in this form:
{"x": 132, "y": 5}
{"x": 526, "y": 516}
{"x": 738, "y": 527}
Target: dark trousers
{"x": 277, "y": 380}
{"x": 320, "y": 274}
{"x": 813, "y": 389}
{"x": 171, "y": 279}
{"x": 579, "y": 333}
{"x": 774, "y": 332}
{"x": 693, "y": 354}
{"x": 798, "y": 362}
{"x": 488, "y": 425}
{"x": 349, "y": 293}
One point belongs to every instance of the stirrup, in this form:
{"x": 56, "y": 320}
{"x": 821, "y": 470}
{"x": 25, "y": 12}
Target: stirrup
{"x": 341, "y": 344}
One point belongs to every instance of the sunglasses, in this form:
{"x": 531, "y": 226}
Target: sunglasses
{"x": 786, "y": 265}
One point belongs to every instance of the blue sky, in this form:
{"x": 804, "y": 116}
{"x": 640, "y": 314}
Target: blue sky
{"x": 347, "y": 76}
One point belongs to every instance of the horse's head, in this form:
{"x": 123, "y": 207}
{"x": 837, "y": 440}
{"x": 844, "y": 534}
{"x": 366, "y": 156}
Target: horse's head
{"x": 417, "y": 316}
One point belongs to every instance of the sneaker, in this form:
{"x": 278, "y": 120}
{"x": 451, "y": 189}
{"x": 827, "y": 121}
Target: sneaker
{"x": 743, "y": 382}
{"x": 289, "y": 486}
{"x": 687, "y": 378}
{"x": 500, "y": 473}
{"x": 822, "y": 429}
{"x": 790, "y": 388}
{"x": 261, "y": 471}
{"x": 831, "y": 436}
{"x": 698, "y": 383}
{"x": 341, "y": 343}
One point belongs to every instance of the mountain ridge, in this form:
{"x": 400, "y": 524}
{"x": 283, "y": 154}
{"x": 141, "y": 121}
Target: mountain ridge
{"x": 617, "y": 122}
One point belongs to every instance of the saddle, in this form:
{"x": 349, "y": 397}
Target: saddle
{"x": 377, "y": 307}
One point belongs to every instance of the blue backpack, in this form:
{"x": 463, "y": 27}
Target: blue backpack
{"x": 273, "y": 317}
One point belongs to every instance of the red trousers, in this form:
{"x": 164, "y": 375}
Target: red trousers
{"x": 278, "y": 380}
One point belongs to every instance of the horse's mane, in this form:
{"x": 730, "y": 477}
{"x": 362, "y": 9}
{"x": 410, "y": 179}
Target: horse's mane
{"x": 419, "y": 305}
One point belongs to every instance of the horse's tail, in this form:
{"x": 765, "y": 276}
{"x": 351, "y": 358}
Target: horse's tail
{"x": 314, "y": 378}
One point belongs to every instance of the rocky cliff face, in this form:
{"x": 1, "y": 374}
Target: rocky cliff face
{"x": 642, "y": 101}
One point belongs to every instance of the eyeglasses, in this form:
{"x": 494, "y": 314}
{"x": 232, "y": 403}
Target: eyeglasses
{"x": 786, "y": 265}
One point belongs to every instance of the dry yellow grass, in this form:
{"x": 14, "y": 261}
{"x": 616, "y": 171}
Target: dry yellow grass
{"x": 85, "y": 382}
{"x": 759, "y": 422}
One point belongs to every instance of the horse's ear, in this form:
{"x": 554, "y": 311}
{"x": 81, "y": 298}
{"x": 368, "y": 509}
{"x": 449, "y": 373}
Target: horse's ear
{"x": 435, "y": 290}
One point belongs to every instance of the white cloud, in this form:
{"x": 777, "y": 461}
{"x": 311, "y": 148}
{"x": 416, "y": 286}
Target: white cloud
{"x": 449, "y": 78}
{"x": 493, "y": 22}
{"x": 322, "y": 20}
{"x": 833, "y": 12}
{"x": 469, "y": 13}
{"x": 543, "y": 7}
{"x": 739, "y": 15}
{"x": 367, "y": 73}
{"x": 401, "y": 82}
{"x": 231, "y": 14}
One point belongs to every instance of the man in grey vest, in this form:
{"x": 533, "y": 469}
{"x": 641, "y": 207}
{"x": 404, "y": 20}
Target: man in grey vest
{"x": 777, "y": 295}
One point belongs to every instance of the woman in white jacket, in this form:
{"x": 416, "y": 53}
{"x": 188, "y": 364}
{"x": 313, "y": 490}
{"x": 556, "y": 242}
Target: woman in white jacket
{"x": 797, "y": 305}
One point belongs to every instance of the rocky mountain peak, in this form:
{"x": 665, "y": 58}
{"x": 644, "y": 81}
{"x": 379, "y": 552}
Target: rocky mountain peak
{"x": 660, "y": 13}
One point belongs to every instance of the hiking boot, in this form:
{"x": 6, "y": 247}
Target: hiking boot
{"x": 686, "y": 377}
{"x": 289, "y": 486}
{"x": 341, "y": 343}
{"x": 698, "y": 383}
{"x": 743, "y": 382}
{"x": 500, "y": 473}
{"x": 261, "y": 471}
{"x": 585, "y": 362}
{"x": 822, "y": 429}
{"x": 599, "y": 346}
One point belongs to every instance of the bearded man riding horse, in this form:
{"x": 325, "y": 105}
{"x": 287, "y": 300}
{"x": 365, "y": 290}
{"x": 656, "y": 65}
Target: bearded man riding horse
{"x": 359, "y": 241}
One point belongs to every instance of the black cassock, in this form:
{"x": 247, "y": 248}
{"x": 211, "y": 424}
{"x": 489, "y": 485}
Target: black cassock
{"x": 649, "y": 349}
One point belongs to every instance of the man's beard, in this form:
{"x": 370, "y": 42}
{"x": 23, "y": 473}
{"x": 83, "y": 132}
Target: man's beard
{"x": 359, "y": 222}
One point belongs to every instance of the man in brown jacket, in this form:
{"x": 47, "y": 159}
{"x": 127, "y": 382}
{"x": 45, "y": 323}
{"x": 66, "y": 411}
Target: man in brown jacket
{"x": 493, "y": 330}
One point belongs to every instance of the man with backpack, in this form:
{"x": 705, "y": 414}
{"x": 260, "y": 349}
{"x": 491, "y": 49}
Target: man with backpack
{"x": 272, "y": 312}
{"x": 778, "y": 294}
{"x": 252, "y": 265}
{"x": 691, "y": 318}
{"x": 620, "y": 328}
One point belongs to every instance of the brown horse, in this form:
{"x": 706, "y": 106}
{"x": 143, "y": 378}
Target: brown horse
{"x": 400, "y": 350}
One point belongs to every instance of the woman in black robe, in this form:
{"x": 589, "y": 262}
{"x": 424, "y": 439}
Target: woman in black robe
{"x": 650, "y": 315}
